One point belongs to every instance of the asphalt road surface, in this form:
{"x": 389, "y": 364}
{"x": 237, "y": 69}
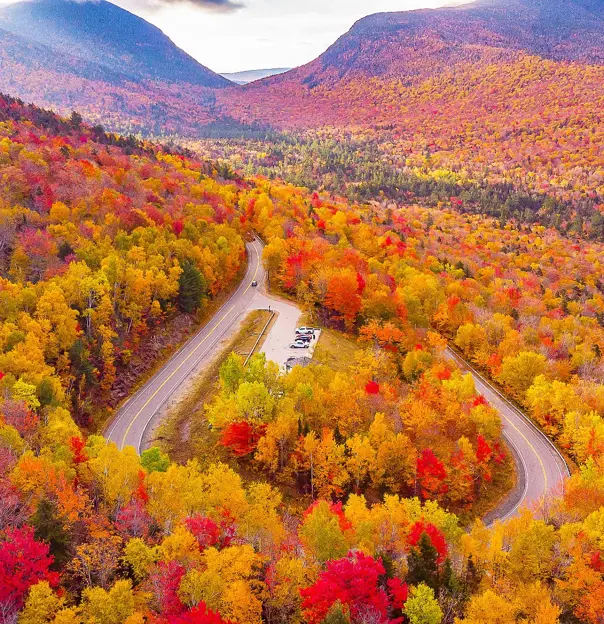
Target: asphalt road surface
{"x": 540, "y": 467}
{"x": 136, "y": 415}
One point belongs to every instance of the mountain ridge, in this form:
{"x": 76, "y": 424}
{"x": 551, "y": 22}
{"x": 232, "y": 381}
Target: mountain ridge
{"x": 546, "y": 28}
{"x": 251, "y": 75}
{"x": 102, "y": 33}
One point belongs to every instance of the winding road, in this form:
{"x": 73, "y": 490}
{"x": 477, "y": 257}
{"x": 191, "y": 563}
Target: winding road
{"x": 541, "y": 469}
{"x": 137, "y": 414}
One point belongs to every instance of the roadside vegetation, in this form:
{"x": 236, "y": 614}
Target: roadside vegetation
{"x": 185, "y": 433}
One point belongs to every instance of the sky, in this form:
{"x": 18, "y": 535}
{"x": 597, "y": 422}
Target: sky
{"x": 237, "y": 35}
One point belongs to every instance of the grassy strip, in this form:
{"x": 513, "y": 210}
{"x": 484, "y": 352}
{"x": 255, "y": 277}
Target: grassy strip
{"x": 335, "y": 350}
{"x": 185, "y": 434}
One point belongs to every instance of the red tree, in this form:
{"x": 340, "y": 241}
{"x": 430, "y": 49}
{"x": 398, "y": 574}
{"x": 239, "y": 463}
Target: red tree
{"x": 163, "y": 584}
{"x": 205, "y": 530}
{"x": 242, "y": 438}
{"x": 431, "y": 474}
{"x": 133, "y": 519}
{"x": 78, "y": 446}
{"x": 354, "y": 581}
{"x": 372, "y": 387}
{"x": 23, "y": 563}
{"x": 484, "y": 452}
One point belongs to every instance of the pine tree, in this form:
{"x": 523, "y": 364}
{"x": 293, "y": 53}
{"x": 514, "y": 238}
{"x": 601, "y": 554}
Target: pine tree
{"x": 191, "y": 288}
{"x": 423, "y": 566}
{"x": 449, "y": 579}
{"x": 472, "y": 577}
{"x": 50, "y": 528}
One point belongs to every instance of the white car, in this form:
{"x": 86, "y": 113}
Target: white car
{"x": 309, "y": 331}
{"x": 299, "y": 344}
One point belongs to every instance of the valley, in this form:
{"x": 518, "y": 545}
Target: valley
{"x": 320, "y": 345}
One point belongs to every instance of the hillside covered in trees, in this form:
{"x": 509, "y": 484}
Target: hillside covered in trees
{"x": 113, "y": 66}
{"x": 340, "y": 493}
{"x": 472, "y": 99}
{"x": 493, "y": 104}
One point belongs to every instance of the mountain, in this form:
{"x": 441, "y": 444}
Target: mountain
{"x": 102, "y": 33}
{"x": 64, "y": 82}
{"x": 494, "y": 92}
{"x": 28, "y": 55}
{"x": 113, "y": 67}
{"x": 418, "y": 43}
{"x": 251, "y": 75}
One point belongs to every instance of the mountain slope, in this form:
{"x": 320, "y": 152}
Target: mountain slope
{"x": 499, "y": 91}
{"x": 16, "y": 51}
{"x": 115, "y": 68}
{"x": 40, "y": 74}
{"x": 400, "y": 44}
{"x": 104, "y": 34}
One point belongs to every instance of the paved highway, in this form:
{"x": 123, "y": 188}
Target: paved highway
{"x": 136, "y": 415}
{"x": 540, "y": 467}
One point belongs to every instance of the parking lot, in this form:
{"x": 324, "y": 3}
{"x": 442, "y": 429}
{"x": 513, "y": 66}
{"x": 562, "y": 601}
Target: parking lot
{"x": 282, "y": 334}
{"x": 294, "y": 353}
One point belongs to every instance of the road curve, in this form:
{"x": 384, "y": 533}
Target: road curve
{"x": 135, "y": 416}
{"x": 540, "y": 467}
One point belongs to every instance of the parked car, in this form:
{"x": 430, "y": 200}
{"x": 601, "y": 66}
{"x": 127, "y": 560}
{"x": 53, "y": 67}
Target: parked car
{"x": 304, "y": 338}
{"x": 306, "y": 330}
{"x": 299, "y": 344}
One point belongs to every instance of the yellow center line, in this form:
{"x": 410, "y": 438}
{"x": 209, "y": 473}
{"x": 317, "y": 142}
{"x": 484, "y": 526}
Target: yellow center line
{"x": 532, "y": 449}
{"x": 135, "y": 417}
{"x": 479, "y": 377}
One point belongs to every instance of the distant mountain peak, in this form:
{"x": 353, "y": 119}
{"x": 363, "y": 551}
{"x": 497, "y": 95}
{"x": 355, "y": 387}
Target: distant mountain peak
{"x": 103, "y": 33}
{"x": 250, "y": 75}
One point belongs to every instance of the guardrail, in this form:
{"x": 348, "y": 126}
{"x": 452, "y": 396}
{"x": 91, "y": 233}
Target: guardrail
{"x": 252, "y": 351}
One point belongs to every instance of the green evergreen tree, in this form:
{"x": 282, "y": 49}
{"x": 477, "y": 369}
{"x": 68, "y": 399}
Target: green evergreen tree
{"x": 192, "y": 288}
{"x": 79, "y": 357}
{"x": 49, "y": 527}
{"x": 75, "y": 120}
{"x": 46, "y": 392}
{"x": 472, "y": 577}
{"x": 422, "y": 562}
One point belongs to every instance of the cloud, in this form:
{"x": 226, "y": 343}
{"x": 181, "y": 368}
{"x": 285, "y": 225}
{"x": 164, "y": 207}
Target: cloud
{"x": 217, "y": 6}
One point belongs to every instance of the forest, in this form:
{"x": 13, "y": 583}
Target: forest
{"x": 343, "y": 496}
{"x": 507, "y": 133}
{"x": 361, "y": 169}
